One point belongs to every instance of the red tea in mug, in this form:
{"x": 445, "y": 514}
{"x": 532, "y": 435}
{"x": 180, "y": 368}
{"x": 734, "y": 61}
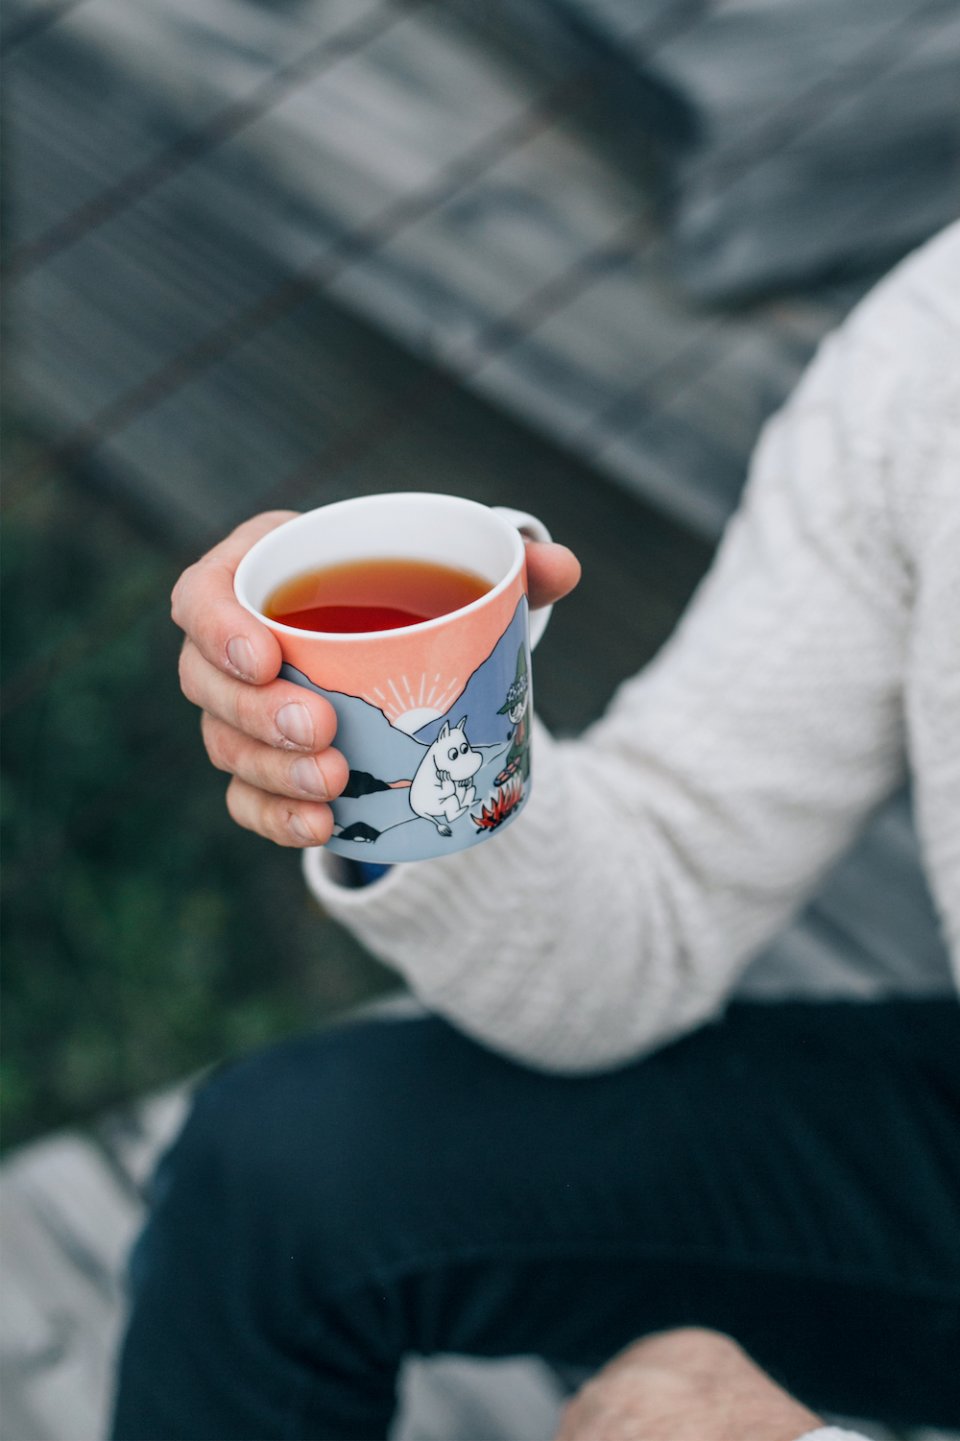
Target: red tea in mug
{"x": 377, "y": 594}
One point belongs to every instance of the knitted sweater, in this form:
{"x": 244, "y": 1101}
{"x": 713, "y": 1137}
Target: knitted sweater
{"x": 666, "y": 845}
{"x": 818, "y": 660}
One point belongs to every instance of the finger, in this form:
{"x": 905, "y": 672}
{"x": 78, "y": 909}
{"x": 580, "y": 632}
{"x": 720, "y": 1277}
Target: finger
{"x": 285, "y": 822}
{"x": 552, "y": 572}
{"x": 281, "y": 773}
{"x": 204, "y": 606}
{"x": 279, "y": 713}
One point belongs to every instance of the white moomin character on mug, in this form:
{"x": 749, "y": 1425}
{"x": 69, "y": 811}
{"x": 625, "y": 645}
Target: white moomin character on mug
{"x": 441, "y": 791}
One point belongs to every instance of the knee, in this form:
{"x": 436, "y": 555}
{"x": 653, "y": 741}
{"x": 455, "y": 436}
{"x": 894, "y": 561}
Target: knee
{"x": 289, "y": 1156}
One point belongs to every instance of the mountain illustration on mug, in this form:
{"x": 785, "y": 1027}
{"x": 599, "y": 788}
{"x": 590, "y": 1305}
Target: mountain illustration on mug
{"x": 452, "y": 755}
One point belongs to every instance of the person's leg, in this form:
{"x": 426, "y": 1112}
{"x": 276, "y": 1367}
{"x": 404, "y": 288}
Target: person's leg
{"x": 790, "y": 1175}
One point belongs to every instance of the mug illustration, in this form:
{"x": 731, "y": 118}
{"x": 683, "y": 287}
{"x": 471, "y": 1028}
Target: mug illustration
{"x": 441, "y": 791}
{"x": 438, "y": 760}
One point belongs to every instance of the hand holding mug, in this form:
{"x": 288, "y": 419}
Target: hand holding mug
{"x": 272, "y": 737}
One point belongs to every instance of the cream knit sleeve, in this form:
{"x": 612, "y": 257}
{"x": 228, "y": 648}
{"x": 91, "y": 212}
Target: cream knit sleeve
{"x": 665, "y": 846}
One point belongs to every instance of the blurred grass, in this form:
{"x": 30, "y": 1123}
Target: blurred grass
{"x": 143, "y": 934}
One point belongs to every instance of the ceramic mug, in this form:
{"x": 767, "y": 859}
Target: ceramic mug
{"x": 433, "y": 718}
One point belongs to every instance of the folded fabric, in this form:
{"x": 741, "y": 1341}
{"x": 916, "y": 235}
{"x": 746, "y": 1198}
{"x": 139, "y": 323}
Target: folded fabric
{"x": 794, "y": 138}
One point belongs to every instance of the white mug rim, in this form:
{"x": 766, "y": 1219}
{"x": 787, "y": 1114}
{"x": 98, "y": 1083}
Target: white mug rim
{"x": 358, "y": 502}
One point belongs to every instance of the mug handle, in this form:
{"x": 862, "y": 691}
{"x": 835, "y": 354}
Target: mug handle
{"x": 534, "y": 529}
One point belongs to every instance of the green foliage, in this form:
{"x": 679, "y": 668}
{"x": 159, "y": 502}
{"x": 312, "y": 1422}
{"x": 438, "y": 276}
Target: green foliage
{"x": 144, "y": 935}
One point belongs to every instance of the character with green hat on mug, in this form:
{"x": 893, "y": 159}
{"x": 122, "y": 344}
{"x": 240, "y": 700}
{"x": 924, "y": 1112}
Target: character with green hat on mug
{"x": 515, "y": 706}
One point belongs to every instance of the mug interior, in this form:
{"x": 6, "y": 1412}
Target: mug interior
{"x": 446, "y": 530}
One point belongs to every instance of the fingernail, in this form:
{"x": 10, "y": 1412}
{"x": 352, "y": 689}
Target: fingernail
{"x": 241, "y": 657}
{"x": 307, "y": 776}
{"x": 294, "y": 721}
{"x": 299, "y": 831}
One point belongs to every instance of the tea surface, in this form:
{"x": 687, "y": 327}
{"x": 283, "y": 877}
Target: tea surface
{"x": 378, "y": 594}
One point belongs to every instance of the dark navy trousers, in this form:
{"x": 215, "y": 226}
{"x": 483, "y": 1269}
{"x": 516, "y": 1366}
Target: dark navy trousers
{"x": 789, "y": 1175}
